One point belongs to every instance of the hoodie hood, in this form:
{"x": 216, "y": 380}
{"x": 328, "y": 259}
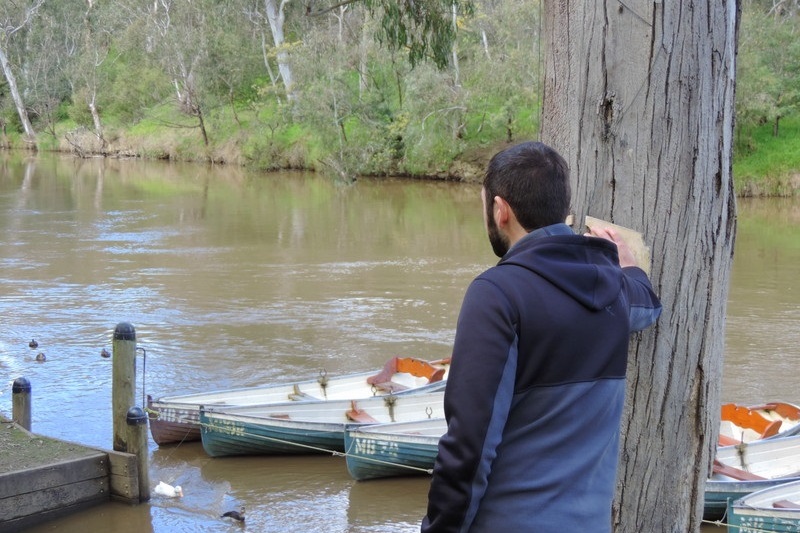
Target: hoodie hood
{"x": 586, "y": 268}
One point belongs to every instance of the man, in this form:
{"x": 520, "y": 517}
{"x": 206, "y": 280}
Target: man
{"x": 537, "y": 381}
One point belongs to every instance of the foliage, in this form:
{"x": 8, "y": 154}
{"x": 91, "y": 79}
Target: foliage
{"x": 377, "y": 88}
{"x": 768, "y": 75}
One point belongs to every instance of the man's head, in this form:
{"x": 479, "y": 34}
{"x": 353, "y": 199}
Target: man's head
{"x": 532, "y": 180}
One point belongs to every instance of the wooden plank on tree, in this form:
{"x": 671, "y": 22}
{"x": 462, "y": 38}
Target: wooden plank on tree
{"x": 632, "y": 238}
{"x": 56, "y": 474}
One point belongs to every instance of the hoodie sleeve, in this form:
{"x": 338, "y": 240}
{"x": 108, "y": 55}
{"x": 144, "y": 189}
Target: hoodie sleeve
{"x": 645, "y": 307}
{"x": 478, "y": 397}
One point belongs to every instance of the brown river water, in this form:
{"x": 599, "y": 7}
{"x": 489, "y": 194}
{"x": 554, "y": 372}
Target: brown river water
{"x": 234, "y": 278}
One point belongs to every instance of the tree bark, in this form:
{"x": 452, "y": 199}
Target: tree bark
{"x": 276, "y": 18}
{"x": 638, "y": 97}
{"x": 30, "y": 134}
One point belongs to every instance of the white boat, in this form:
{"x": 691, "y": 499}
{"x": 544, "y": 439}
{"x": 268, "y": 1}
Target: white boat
{"x": 176, "y": 419}
{"x": 773, "y": 509}
{"x": 743, "y": 469}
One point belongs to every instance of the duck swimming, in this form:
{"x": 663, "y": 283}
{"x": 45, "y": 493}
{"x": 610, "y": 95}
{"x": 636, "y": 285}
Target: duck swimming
{"x": 168, "y": 491}
{"x": 41, "y": 357}
{"x": 235, "y": 515}
{"x": 33, "y": 343}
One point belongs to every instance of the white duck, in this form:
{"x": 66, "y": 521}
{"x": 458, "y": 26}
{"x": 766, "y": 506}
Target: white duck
{"x": 168, "y": 491}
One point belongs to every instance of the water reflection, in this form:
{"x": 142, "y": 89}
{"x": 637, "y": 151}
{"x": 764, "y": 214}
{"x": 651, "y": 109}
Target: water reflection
{"x": 234, "y": 279}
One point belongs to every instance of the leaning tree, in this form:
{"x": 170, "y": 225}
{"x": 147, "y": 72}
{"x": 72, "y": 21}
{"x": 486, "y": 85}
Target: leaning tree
{"x": 639, "y": 97}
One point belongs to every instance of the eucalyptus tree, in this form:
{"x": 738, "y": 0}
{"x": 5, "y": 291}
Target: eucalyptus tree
{"x": 183, "y": 38}
{"x": 95, "y": 31}
{"x": 52, "y": 45}
{"x": 276, "y": 16}
{"x": 639, "y": 97}
{"x": 15, "y": 17}
{"x": 423, "y": 28}
{"x": 769, "y": 65}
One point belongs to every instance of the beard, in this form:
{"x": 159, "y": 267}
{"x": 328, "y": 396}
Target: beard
{"x": 499, "y": 242}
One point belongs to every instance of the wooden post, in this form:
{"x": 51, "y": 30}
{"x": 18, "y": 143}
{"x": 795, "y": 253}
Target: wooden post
{"x": 21, "y": 400}
{"x": 123, "y": 386}
{"x": 137, "y": 445}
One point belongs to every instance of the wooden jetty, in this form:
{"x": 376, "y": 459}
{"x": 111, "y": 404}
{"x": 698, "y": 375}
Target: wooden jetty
{"x": 42, "y": 478}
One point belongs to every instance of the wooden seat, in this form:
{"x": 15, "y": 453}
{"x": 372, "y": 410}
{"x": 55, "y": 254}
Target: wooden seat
{"x": 389, "y": 386}
{"x": 746, "y": 418}
{"x": 298, "y": 395}
{"x": 355, "y": 414}
{"x": 735, "y": 473}
{"x": 785, "y": 504}
{"x": 410, "y": 365}
{"x": 783, "y": 410}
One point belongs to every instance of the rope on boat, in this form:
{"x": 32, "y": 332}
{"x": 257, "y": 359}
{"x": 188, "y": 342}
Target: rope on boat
{"x": 429, "y": 471}
{"x": 732, "y": 528}
{"x": 334, "y": 453}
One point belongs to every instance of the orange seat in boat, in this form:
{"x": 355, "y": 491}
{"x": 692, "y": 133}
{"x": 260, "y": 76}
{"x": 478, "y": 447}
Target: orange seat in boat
{"x": 747, "y": 419}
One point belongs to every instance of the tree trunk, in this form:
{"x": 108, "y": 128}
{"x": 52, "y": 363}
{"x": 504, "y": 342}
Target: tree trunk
{"x": 98, "y": 124}
{"x": 639, "y": 97}
{"x": 30, "y": 134}
{"x": 276, "y": 18}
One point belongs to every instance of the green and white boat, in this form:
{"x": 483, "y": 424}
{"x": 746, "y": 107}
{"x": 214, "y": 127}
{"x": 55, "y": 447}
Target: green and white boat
{"x": 746, "y": 468}
{"x": 306, "y": 427}
{"x": 774, "y": 509}
{"x": 395, "y": 449}
{"x": 176, "y": 419}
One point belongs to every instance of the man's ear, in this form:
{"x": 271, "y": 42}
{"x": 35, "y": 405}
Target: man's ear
{"x": 501, "y": 211}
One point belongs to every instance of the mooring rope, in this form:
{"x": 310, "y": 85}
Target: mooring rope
{"x": 335, "y": 453}
{"x": 731, "y": 528}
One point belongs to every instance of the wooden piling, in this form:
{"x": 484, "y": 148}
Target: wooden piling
{"x": 137, "y": 445}
{"x": 21, "y": 402}
{"x": 123, "y": 386}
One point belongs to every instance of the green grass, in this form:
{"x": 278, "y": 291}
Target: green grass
{"x": 767, "y": 165}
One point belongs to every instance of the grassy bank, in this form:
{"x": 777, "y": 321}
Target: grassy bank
{"x": 764, "y": 165}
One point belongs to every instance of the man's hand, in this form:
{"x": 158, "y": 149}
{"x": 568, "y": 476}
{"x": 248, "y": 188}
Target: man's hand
{"x": 626, "y": 257}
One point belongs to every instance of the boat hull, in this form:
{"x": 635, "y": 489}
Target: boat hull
{"x": 389, "y": 450}
{"x": 776, "y": 461}
{"x": 176, "y": 419}
{"x": 312, "y": 427}
{"x": 756, "y": 512}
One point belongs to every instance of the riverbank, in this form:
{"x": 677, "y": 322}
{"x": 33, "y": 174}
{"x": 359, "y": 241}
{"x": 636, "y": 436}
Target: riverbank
{"x": 764, "y": 165}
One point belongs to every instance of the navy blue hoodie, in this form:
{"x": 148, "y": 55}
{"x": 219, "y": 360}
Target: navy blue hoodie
{"x": 536, "y": 389}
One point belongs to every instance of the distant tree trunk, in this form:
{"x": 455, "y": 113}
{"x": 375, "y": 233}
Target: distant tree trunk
{"x": 276, "y": 18}
{"x": 30, "y": 134}
{"x": 639, "y": 99}
{"x": 98, "y": 124}
{"x": 272, "y": 78}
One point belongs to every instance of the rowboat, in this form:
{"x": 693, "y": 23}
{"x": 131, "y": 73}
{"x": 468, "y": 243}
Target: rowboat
{"x": 741, "y": 423}
{"x": 175, "y": 419}
{"x": 306, "y": 427}
{"x": 746, "y": 468}
{"x": 773, "y": 509}
{"x": 394, "y": 449}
